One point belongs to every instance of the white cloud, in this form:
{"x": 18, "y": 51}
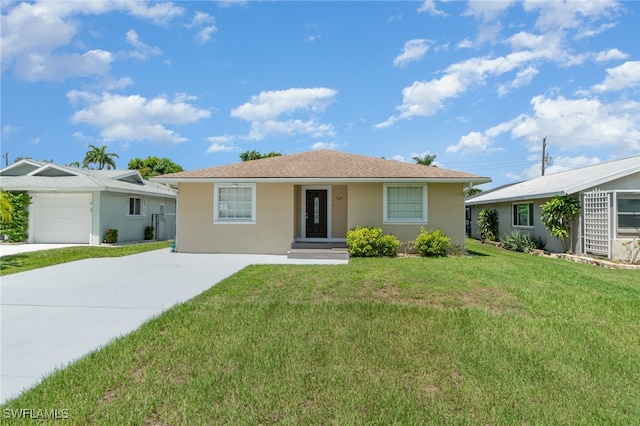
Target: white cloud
{"x": 265, "y": 110}
{"x": 473, "y": 143}
{"x": 625, "y": 76}
{"x": 554, "y": 15}
{"x": 229, "y": 3}
{"x": 582, "y": 123}
{"x": 324, "y": 145}
{"x": 143, "y": 50}
{"x": 220, "y": 147}
{"x": 585, "y": 32}
{"x": 523, "y": 78}
{"x": 558, "y": 164}
{"x": 476, "y": 143}
{"x": 135, "y": 118}
{"x": 270, "y": 104}
{"x": 35, "y": 67}
{"x": 610, "y": 55}
{"x": 35, "y": 36}
{"x": 261, "y": 129}
{"x": 8, "y": 129}
{"x": 202, "y": 18}
{"x": 205, "y": 25}
{"x": 466, "y": 44}
{"x": 488, "y": 11}
{"x": 426, "y": 98}
{"x": 429, "y": 6}
{"x": 412, "y": 51}
{"x": 159, "y": 13}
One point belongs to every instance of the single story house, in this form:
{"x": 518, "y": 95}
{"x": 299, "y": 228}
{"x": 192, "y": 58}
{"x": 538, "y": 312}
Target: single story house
{"x": 75, "y": 205}
{"x": 609, "y": 196}
{"x": 265, "y": 205}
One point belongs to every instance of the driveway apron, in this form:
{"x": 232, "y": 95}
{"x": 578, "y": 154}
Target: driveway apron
{"x": 54, "y": 315}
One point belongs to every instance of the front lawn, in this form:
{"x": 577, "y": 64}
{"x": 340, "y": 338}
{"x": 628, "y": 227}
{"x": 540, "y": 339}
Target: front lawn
{"x": 496, "y": 338}
{"x": 39, "y": 259}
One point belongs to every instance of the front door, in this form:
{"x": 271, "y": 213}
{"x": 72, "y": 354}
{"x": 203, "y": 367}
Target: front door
{"x": 316, "y": 213}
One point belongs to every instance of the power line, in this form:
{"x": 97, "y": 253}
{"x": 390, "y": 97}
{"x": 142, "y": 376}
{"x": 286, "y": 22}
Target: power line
{"x": 594, "y": 139}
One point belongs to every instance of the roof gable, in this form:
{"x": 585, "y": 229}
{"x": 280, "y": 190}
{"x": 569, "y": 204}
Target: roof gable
{"x": 42, "y": 177}
{"x": 562, "y": 183}
{"x": 323, "y": 165}
{"x": 52, "y": 170}
{"x": 21, "y": 168}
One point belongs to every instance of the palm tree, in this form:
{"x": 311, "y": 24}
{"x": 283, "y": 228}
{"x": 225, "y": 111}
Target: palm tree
{"x": 98, "y": 156}
{"x": 427, "y": 160}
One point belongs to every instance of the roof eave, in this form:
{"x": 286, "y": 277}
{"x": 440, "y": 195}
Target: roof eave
{"x": 475, "y": 202}
{"x": 465, "y": 180}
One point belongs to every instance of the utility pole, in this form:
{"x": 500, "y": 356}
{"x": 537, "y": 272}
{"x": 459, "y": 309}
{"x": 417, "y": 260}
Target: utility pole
{"x": 546, "y": 158}
{"x": 6, "y": 159}
{"x": 544, "y": 150}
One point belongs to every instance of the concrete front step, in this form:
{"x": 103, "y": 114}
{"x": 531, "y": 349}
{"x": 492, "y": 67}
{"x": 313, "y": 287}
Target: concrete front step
{"x": 318, "y": 245}
{"x": 316, "y": 253}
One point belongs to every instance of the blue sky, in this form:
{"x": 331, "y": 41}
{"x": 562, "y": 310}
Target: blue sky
{"x": 478, "y": 84}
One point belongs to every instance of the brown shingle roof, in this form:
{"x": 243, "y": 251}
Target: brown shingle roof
{"x": 323, "y": 164}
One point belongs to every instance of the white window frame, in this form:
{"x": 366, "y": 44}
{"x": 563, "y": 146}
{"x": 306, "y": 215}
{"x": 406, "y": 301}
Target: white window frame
{"x": 529, "y": 215}
{"x": 387, "y": 219}
{"x": 622, "y": 231}
{"x": 216, "y": 204}
{"x": 143, "y": 207}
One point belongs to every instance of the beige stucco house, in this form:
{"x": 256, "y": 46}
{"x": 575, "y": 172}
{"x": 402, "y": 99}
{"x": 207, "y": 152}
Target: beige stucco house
{"x": 263, "y": 206}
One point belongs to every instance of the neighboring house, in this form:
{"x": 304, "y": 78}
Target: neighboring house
{"x": 265, "y": 205}
{"x": 74, "y": 205}
{"x": 609, "y": 195}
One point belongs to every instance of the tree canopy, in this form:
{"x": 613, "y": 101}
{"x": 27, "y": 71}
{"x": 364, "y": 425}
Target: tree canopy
{"x": 6, "y": 208}
{"x": 154, "y": 166}
{"x": 256, "y": 155}
{"x": 558, "y": 215}
{"x": 426, "y": 160}
{"x": 101, "y": 157}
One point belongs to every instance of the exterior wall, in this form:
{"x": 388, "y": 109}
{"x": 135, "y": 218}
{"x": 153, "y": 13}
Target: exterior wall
{"x": 505, "y": 225}
{"x": 364, "y": 207}
{"x": 446, "y": 210}
{"x": 272, "y": 233}
{"x": 445, "y": 206}
{"x": 113, "y": 208}
{"x": 339, "y": 211}
{"x": 297, "y": 206}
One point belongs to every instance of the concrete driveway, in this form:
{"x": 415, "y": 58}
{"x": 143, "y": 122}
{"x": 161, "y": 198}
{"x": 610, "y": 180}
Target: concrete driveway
{"x": 54, "y": 315}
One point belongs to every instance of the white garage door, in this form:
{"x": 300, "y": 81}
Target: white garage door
{"x": 62, "y": 218}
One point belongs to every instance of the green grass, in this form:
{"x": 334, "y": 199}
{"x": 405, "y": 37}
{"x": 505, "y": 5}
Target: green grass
{"x": 498, "y": 338}
{"x": 39, "y": 259}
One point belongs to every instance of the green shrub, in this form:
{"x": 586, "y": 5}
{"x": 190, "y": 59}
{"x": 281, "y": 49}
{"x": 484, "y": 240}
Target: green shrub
{"x": 520, "y": 241}
{"x": 432, "y": 243}
{"x": 148, "y": 232}
{"x": 365, "y": 241}
{"x": 111, "y": 237}
{"x": 16, "y": 230}
{"x": 488, "y": 224}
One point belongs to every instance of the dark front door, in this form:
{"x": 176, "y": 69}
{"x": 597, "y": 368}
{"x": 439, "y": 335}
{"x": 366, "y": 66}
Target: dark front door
{"x": 316, "y": 213}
